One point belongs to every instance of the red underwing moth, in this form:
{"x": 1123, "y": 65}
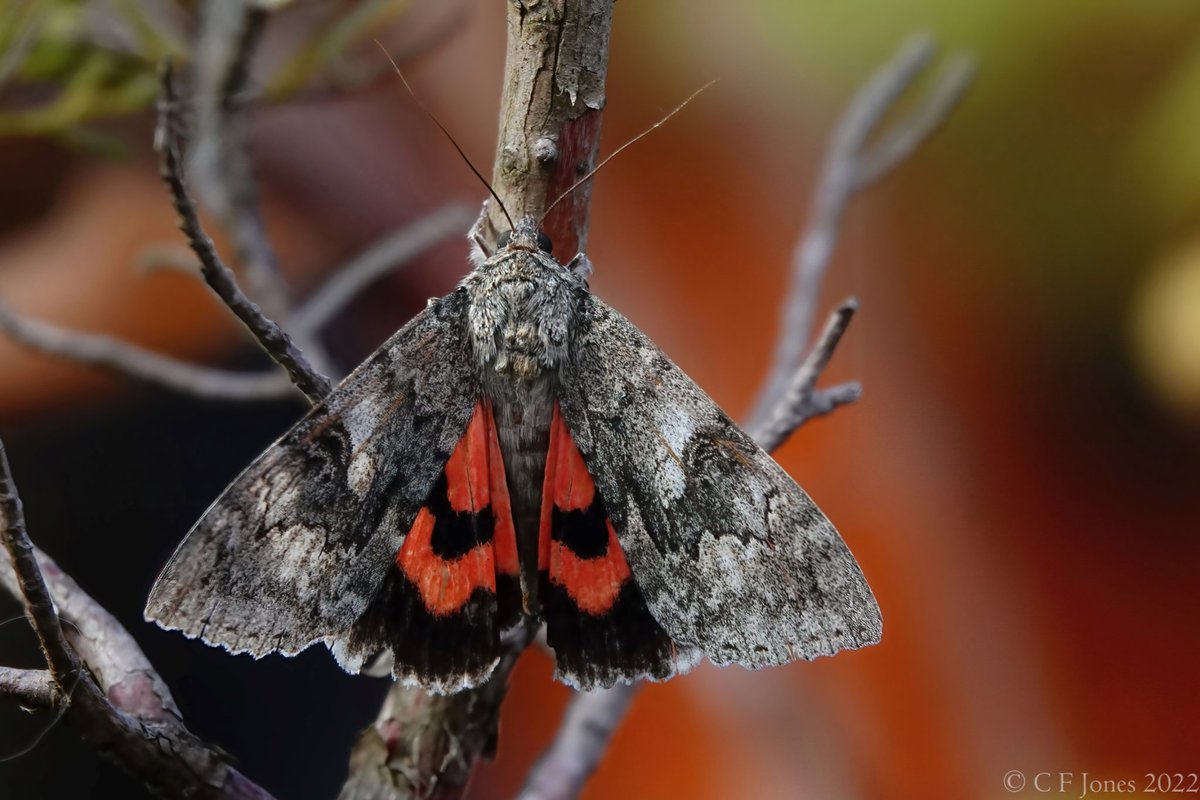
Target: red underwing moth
{"x": 518, "y": 449}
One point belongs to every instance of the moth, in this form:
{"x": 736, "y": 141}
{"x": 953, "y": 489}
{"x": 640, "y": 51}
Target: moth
{"x": 518, "y": 450}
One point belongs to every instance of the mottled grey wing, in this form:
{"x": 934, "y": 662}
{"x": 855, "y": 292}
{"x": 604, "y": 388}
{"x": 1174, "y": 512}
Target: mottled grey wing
{"x": 297, "y": 546}
{"x": 731, "y": 555}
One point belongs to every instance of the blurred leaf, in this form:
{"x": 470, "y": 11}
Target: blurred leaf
{"x": 77, "y": 61}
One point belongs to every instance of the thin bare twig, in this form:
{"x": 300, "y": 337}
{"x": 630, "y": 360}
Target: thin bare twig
{"x": 389, "y": 253}
{"x": 226, "y": 39}
{"x": 582, "y": 739}
{"x": 274, "y": 340}
{"x": 850, "y": 165}
{"x": 803, "y": 400}
{"x": 789, "y": 396}
{"x": 229, "y": 34}
{"x": 32, "y": 688}
{"x": 903, "y": 139}
{"x": 39, "y": 608}
{"x": 131, "y": 361}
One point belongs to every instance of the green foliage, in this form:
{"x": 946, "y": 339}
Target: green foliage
{"x": 67, "y": 63}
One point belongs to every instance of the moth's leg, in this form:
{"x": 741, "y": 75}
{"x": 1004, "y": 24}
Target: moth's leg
{"x": 580, "y": 266}
{"x": 480, "y": 252}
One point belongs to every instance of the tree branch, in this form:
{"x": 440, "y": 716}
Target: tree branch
{"x": 273, "y": 339}
{"x": 850, "y": 166}
{"x": 554, "y": 73}
{"x": 116, "y": 662}
{"x": 425, "y": 745}
{"x": 121, "y": 707}
{"x": 134, "y": 362}
{"x": 32, "y": 688}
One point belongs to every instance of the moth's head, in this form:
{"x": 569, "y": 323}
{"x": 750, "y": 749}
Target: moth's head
{"x": 526, "y": 236}
{"x": 522, "y": 304}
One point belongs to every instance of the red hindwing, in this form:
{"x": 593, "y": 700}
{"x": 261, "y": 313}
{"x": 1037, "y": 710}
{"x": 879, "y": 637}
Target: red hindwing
{"x": 474, "y": 485}
{"x": 593, "y": 582}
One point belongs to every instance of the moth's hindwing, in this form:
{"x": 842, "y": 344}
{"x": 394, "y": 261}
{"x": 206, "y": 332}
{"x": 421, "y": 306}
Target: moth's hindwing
{"x": 596, "y": 619}
{"x": 731, "y": 555}
{"x": 296, "y": 548}
{"x": 453, "y": 585}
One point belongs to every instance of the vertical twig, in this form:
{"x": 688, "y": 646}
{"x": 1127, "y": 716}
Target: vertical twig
{"x": 225, "y": 43}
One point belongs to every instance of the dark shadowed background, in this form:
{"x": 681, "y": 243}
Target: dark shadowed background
{"x": 1021, "y": 480}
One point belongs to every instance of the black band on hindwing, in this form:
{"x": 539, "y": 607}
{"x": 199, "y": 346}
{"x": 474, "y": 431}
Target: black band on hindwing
{"x": 622, "y": 645}
{"x": 584, "y": 532}
{"x": 456, "y": 533}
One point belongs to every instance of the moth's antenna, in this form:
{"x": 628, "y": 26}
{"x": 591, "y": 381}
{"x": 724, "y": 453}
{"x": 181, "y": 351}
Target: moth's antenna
{"x": 446, "y": 133}
{"x": 613, "y": 154}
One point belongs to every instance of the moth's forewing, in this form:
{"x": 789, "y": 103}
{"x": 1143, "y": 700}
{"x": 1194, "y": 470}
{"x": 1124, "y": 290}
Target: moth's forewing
{"x": 298, "y": 545}
{"x": 731, "y": 554}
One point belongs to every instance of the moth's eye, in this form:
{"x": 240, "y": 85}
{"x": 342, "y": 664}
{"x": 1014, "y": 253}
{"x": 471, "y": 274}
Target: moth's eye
{"x": 544, "y": 243}
{"x": 505, "y": 238}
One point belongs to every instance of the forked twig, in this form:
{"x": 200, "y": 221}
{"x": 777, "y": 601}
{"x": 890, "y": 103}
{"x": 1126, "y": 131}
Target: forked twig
{"x": 851, "y": 164}
{"x": 802, "y": 400}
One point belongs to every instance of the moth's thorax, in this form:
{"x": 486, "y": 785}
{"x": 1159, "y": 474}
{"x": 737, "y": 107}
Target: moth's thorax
{"x": 521, "y": 309}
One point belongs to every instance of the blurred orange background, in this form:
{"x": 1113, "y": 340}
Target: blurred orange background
{"x": 1020, "y": 482}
